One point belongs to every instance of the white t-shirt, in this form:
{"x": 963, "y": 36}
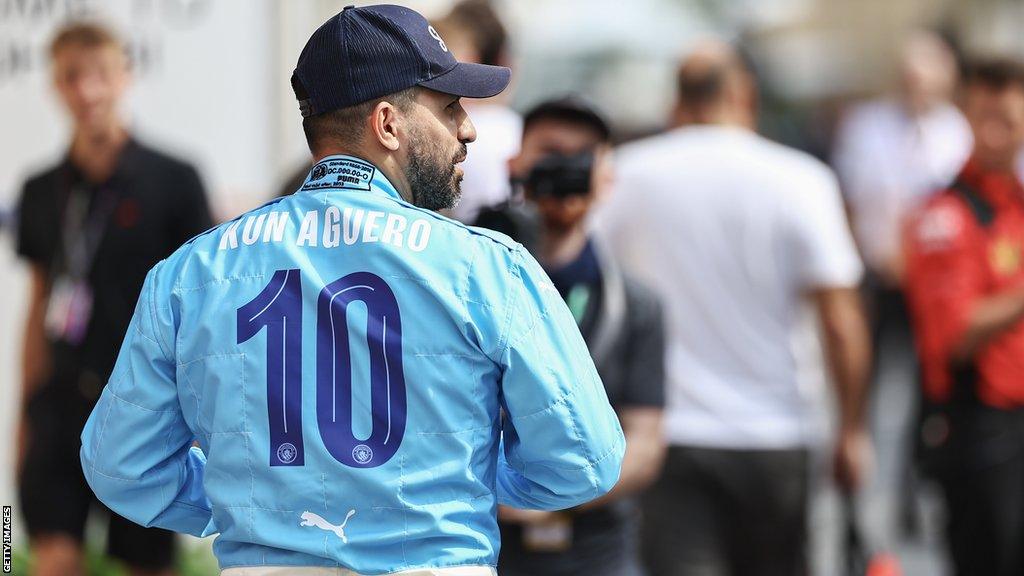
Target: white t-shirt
{"x": 889, "y": 160}
{"x": 486, "y": 182}
{"x": 731, "y": 230}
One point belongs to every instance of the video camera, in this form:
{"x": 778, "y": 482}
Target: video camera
{"x": 556, "y": 176}
{"x": 560, "y": 176}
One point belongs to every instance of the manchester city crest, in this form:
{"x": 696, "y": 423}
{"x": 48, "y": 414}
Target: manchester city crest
{"x": 362, "y": 454}
{"x": 286, "y": 452}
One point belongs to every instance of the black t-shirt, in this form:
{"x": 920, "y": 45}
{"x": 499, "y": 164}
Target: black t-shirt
{"x": 633, "y": 375}
{"x": 150, "y": 206}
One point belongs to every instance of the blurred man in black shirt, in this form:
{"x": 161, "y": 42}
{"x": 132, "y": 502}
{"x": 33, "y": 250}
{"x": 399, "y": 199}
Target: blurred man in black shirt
{"x": 563, "y": 168}
{"x": 90, "y": 228}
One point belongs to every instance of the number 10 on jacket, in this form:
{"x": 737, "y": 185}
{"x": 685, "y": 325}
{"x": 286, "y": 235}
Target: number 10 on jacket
{"x": 278, "y": 308}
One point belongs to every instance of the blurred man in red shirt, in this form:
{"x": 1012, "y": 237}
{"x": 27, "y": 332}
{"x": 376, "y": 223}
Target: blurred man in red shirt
{"x": 965, "y": 284}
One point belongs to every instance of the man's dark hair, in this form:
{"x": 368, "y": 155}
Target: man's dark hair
{"x": 347, "y": 126}
{"x": 997, "y": 73}
{"x": 571, "y": 110}
{"x": 478, "y": 19}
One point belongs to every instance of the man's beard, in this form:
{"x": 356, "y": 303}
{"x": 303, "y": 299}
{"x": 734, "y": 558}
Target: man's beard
{"x": 431, "y": 177}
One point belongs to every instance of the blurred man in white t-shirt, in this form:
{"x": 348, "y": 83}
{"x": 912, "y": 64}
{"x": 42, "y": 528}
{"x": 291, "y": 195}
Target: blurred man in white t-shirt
{"x": 474, "y": 33}
{"x": 735, "y": 233}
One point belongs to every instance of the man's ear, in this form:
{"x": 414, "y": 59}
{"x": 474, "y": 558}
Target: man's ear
{"x": 385, "y": 124}
{"x": 603, "y": 176}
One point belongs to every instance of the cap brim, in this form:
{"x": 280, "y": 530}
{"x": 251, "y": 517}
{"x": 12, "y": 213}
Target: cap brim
{"x": 470, "y": 80}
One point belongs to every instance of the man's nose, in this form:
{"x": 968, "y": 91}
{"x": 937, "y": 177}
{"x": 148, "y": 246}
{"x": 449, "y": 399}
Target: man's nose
{"x": 467, "y": 132}
{"x": 89, "y": 89}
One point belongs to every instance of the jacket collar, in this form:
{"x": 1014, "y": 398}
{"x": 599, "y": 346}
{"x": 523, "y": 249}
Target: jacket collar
{"x": 125, "y": 167}
{"x": 344, "y": 172}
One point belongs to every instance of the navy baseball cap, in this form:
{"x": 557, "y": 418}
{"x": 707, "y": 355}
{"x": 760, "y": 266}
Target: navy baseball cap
{"x": 372, "y": 51}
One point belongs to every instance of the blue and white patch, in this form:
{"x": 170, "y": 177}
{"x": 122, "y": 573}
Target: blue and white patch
{"x": 362, "y": 454}
{"x": 286, "y": 452}
{"x": 340, "y": 173}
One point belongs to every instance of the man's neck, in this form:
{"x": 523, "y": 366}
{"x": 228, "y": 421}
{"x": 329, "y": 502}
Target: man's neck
{"x": 717, "y": 116}
{"x": 387, "y": 165}
{"x": 95, "y": 152}
{"x": 561, "y": 247}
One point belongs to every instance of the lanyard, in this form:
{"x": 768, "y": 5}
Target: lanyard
{"x": 83, "y": 229}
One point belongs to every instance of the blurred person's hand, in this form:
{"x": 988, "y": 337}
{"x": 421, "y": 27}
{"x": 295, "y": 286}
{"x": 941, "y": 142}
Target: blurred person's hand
{"x": 892, "y": 271}
{"x": 518, "y": 516}
{"x": 853, "y": 459}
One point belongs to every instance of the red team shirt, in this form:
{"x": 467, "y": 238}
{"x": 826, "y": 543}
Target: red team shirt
{"x": 953, "y": 261}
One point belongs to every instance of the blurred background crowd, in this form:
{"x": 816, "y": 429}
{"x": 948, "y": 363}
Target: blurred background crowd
{"x": 791, "y": 231}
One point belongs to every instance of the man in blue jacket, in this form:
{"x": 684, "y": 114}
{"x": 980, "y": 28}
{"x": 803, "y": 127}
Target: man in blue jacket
{"x": 366, "y": 379}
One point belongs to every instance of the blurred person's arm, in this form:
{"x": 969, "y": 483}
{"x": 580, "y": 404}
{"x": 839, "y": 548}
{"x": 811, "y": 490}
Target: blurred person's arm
{"x": 137, "y": 452}
{"x": 34, "y": 241}
{"x": 35, "y": 357}
{"x": 35, "y": 244}
{"x": 988, "y": 317}
{"x": 848, "y": 351}
{"x": 829, "y": 268}
{"x": 35, "y": 350}
{"x": 561, "y": 442}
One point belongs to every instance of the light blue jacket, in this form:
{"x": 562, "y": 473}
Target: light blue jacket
{"x": 366, "y": 381}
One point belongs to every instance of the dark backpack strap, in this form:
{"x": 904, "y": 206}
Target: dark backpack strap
{"x": 983, "y": 212}
{"x": 965, "y": 375}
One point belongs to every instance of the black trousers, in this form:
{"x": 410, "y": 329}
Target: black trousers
{"x": 718, "y": 512}
{"x": 983, "y": 483}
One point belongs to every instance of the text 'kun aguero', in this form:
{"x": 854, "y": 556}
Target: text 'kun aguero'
{"x": 328, "y": 228}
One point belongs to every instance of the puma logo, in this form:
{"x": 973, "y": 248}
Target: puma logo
{"x": 313, "y": 519}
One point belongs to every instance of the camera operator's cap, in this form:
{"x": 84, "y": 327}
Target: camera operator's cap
{"x": 368, "y": 52}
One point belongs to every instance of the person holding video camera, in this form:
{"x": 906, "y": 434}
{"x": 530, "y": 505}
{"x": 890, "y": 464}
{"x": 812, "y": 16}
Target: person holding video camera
{"x": 561, "y": 172}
